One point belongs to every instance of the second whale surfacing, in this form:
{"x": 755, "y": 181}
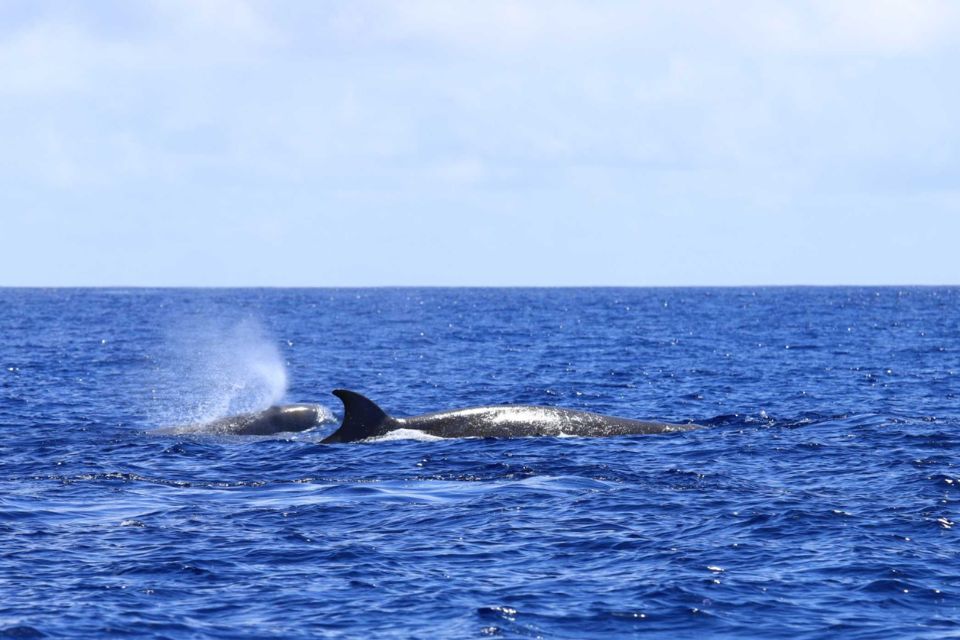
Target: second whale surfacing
{"x": 363, "y": 419}
{"x": 277, "y": 419}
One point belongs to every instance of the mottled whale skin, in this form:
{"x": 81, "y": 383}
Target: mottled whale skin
{"x": 363, "y": 419}
{"x": 276, "y": 419}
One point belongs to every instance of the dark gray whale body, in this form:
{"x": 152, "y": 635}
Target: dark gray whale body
{"x": 276, "y": 419}
{"x": 363, "y": 419}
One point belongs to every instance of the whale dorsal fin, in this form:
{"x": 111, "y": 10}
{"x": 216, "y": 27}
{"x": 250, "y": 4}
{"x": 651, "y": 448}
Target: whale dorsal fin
{"x": 362, "y": 418}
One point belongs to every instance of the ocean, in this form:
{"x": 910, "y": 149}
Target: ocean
{"x": 822, "y": 498}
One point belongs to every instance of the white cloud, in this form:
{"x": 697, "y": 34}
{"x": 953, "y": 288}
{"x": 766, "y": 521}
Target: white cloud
{"x": 462, "y": 94}
{"x": 567, "y": 28}
{"x": 236, "y": 21}
{"x": 856, "y": 27}
{"x": 48, "y": 58}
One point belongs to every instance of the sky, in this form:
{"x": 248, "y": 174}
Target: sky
{"x": 445, "y": 143}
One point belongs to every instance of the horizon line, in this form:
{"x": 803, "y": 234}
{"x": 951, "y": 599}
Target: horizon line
{"x": 492, "y": 286}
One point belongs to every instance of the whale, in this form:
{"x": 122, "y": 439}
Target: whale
{"x": 276, "y": 419}
{"x": 363, "y": 420}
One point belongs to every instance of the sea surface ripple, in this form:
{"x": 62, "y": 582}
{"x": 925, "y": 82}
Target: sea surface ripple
{"x": 822, "y": 499}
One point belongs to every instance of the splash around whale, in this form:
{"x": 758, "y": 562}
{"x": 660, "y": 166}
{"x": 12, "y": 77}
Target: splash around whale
{"x": 363, "y": 420}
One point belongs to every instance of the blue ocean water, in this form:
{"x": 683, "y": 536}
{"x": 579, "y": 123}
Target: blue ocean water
{"x": 821, "y": 500}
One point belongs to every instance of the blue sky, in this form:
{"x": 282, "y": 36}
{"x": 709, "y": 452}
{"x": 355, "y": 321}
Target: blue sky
{"x": 232, "y": 143}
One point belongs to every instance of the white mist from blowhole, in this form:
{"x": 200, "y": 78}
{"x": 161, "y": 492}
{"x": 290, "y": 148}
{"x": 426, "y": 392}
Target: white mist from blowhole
{"x": 211, "y": 371}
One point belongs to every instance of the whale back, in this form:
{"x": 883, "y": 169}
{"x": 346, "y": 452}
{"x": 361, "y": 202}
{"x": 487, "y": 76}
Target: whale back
{"x": 270, "y": 421}
{"x": 276, "y": 419}
{"x": 362, "y": 418}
